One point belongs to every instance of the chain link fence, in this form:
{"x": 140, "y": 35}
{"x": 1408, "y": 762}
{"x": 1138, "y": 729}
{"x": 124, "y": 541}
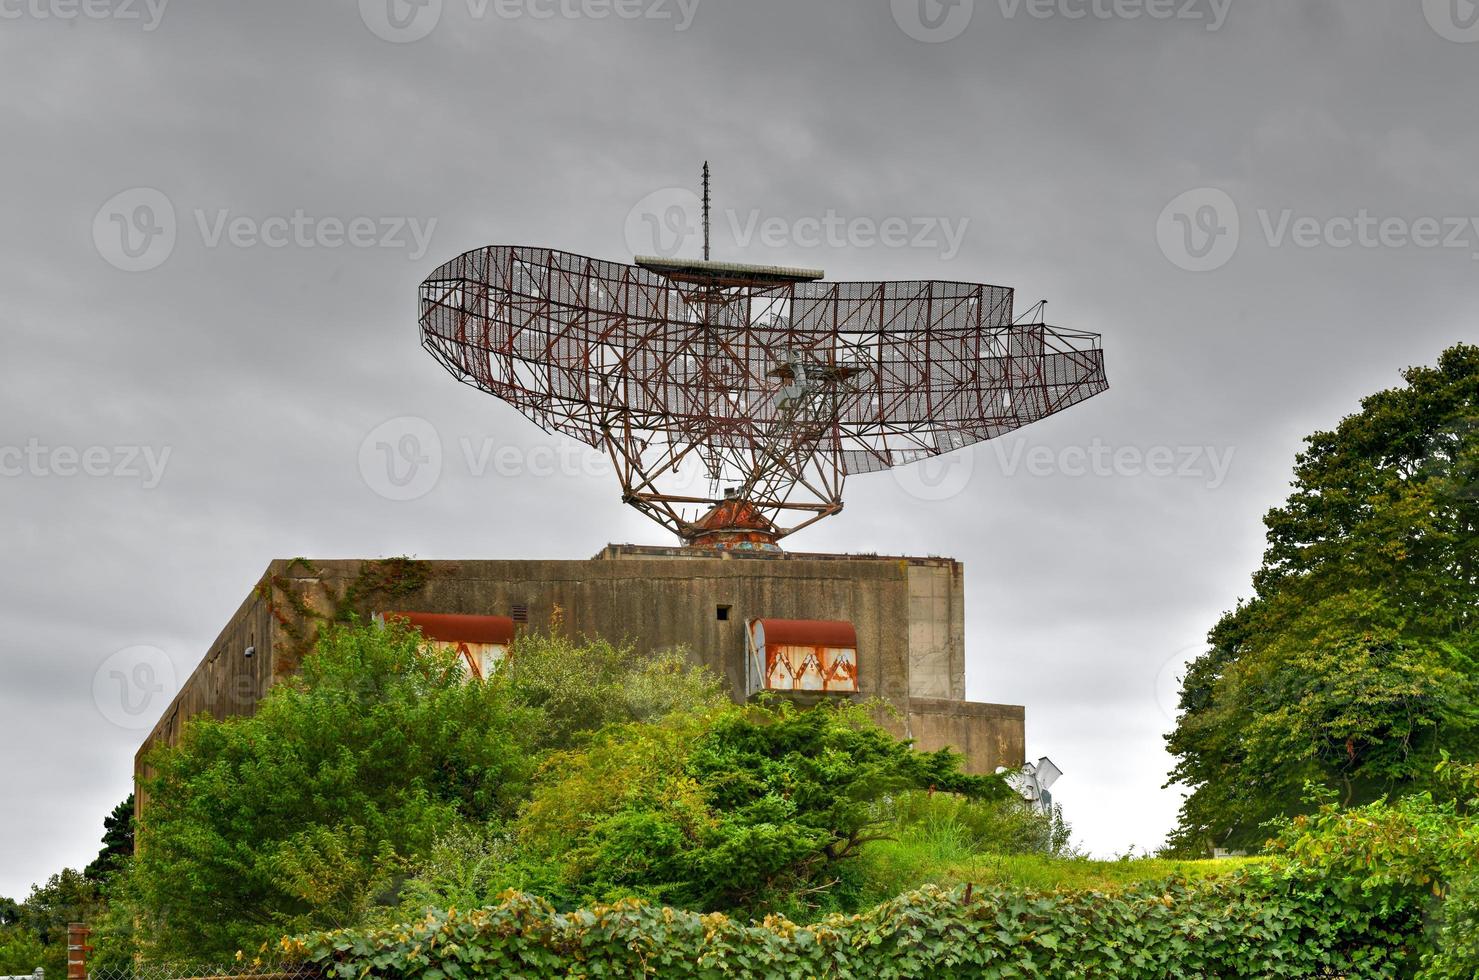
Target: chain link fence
{"x": 284, "y": 971}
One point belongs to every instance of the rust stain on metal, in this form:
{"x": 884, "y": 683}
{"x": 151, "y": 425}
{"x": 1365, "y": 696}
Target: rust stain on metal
{"x": 481, "y": 641}
{"x": 803, "y": 655}
{"x": 706, "y": 382}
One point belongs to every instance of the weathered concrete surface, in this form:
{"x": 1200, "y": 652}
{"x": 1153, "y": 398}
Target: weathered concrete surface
{"x": 909, "y": 615}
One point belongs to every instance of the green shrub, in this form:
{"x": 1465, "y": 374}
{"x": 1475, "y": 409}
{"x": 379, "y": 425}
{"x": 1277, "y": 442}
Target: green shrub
{"x": 1413, "y": 849}
{"x": 581, "y": 687}
{"x": 300, "y": 816}
{"x": 1252, "y": 925}
{"x": 753, "y": 809}
{"x": 21, "y": 951}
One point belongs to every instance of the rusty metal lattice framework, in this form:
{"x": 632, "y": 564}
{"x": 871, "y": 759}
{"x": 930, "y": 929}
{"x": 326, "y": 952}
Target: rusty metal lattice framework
{"x": 735, "y": 400}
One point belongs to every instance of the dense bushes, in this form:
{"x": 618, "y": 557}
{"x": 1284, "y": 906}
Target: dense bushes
{"x": 381, "y": 782}
{"x": 743, "y": 809}
{"x": 1254, "y": 924}
{"x": 309, "y": 814}
{"x": 1413, "y": 850}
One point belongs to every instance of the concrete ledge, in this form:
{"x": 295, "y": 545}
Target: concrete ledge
{"x": 988, "y": 735}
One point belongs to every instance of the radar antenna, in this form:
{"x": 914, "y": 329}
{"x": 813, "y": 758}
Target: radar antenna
{"x": 765, "y": 385}
{"x": 706, "y": 210}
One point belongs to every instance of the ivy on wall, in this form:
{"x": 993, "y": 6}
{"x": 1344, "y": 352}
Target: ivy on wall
{"x": 301, "y": 604}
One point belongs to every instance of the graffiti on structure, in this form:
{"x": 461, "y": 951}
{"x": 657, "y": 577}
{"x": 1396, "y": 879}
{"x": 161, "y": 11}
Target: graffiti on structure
{"x": 480, "y": 642}
{"x": 803, "y": 655}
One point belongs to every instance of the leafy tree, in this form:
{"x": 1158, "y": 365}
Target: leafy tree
{"x": 118, "y": 842}
{"x": 308, "y": 814}
{"x": 300, "y": 815}
{"x": 581, "y": 687}
{"x": 748, "y": 809}
{"x": 21, "y": 952}
{"x": 66, "y": 897}
{"x": 1354, "y": 664}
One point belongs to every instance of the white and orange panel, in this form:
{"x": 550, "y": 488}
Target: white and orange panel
{"x": 480, "y": 641}
{"x": 802, "y": 655}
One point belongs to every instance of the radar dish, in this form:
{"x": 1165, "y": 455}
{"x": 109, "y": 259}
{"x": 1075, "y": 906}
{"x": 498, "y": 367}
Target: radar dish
{"x": 735, "y": 400}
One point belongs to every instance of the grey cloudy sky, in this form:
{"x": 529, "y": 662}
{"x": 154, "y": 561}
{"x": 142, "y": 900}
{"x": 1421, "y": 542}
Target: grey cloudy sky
{"x": 1092, "y": 154}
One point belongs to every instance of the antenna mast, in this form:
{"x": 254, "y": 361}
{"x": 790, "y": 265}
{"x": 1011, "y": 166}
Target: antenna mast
{"x": 706, "y": 210}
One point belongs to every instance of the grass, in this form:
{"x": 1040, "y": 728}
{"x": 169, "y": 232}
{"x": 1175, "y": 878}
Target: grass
{"x": 890, "y": 867}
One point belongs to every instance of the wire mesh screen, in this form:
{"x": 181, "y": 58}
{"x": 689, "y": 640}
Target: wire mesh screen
{"x": 778, "y": 390}
{"x": 237, "y": 971}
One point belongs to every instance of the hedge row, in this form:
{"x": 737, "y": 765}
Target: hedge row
{"x": 1251, "y": 924}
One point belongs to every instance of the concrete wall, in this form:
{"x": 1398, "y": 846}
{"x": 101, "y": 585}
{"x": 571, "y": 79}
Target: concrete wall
{"x": 909, "y": 615}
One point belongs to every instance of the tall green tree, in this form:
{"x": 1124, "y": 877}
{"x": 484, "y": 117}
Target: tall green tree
{"x": 1356, "y": 661}
{"x": 118, "y": 842}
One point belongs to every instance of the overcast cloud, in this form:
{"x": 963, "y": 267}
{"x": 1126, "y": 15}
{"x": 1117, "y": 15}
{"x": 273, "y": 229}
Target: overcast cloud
{"x": 1233, "y": 194}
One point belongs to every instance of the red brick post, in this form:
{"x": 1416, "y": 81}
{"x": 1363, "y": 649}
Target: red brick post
{"x": 77, "y": 950}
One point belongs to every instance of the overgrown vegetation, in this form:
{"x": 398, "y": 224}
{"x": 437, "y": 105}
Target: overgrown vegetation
{"x": 1384, "y": 889}
{"x": 382, "y": 782}
{"x": 749, "y": 810}
{"x": 1256, "y": 924}
{"x": 1414, "y": 849}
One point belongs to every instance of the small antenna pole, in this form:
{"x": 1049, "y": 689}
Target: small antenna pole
{"x": 706, "y": 210}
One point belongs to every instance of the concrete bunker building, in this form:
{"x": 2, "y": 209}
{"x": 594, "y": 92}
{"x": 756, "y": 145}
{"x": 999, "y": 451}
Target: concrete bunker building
{"x": 902, "y": 620}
